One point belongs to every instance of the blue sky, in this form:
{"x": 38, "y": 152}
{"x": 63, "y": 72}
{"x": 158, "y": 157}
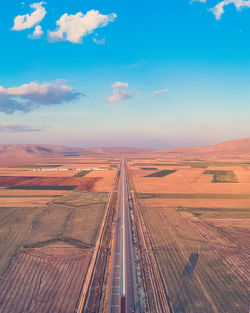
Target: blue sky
{"x": 138, "y": 73}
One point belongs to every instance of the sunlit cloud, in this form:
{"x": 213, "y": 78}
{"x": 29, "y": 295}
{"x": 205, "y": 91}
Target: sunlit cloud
{"x": 37, "y": 33}
{"x": 28, "y": 97}
{"x": 218, "y": 10}
{"x": 74, "y": 27}
{"x": 160, "y": 91}
{"x": 121, "y": 92}
{"x": 26, "y": 21}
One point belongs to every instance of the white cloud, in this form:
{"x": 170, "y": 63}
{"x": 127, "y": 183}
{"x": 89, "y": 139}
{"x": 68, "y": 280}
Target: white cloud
{"x": 22, "y": 22}
{"x": 30, "y": 96}
{"x": 160, "y": 91}
{"x": 218, "y": 10}
{"x": 37, "y": 33}
{"x": 74, "y": 27}
{"x": 121, "y": 92}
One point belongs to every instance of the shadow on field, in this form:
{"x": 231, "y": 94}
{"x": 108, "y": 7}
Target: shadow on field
{"x": 180, "y": 303}
{"x": 190, "y": 266}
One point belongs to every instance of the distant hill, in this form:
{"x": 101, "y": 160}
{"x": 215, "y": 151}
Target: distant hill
{"x": 25, "y": 153}
{"x": 227, "y": 149}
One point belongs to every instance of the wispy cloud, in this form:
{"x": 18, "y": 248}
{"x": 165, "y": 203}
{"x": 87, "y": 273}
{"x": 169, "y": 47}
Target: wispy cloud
{"x": 17, "y": 128}
{"x": 28, "y": 97}
{"x": 26, "y": 21}
{"x": 202, "y": 1}
{"x": 160, "y": 91}
{"x": 101, "y": 41}
{"x": 121, "y": 92}
{"x": 218, "y": 10}
{"x": 74, "y": 27}
{"x": 37, "y": 33}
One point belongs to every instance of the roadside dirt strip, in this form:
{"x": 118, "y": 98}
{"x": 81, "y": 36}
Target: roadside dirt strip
{"x": 91, "y": 299}
{"x": 154, "y": 296}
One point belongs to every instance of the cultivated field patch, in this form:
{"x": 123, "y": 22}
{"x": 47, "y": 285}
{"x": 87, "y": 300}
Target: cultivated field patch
{"x": 82, "y": 173}
{"x": 44, "y": 280}
{"x": 15, "y": 223}
{"x": 222, "y": 176}
{"x": 192, "y": 196}
{"x": 162, "y": 173}
{"x": 196, "y": 278}
{"x": 48, "y": 183}
{"x": 231, "y": 244}
{"x": 74, "y": 218}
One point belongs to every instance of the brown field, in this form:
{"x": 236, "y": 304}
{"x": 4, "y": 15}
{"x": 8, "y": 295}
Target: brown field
{"x": 73, "y": 218}
{"x": 30, "y": 172}
{"x": 83, "y": 183}
{"x": 15, "y": 224}
{"x": 105, "y": 184}
{"x": 203, "y": 256}
{"x": 39, "y": 217}
{"x": 205, "y": 203}
{"x": 196, "y": 278}
{"x": 44, "y": 280}
{"x": 231, "y": 243}
{"x": 23, "y": 193}
{"x": 24, "y": 202}
{"x": 189, "y": 180}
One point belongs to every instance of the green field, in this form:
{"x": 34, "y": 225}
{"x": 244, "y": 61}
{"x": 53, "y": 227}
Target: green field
{"x": 162, "y": 173}
{"x": 82, "y": 173}
{"x": 149, "y": 168}
{"x": 222, "y": 176}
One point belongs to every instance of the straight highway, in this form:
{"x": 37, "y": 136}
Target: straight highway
{"x": 123, "y": 295}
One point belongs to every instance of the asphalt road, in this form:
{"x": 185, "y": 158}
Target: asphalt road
{"x": 123, "y": 274}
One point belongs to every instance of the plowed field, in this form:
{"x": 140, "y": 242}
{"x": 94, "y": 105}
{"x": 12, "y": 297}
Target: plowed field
{"x": 196, "y": 278}
{"x": 83, "y": 183}
{"x": 44, "y": 281}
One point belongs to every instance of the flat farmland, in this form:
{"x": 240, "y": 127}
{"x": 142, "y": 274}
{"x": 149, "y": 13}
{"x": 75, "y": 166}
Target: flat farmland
{"x": 189, "y": 180}
{"x": 19, "y": 182}
{"x": 105, "y": 183}
{"x": 15, "y": 224}
{"x": 231, "y": 242}
{"x": 28, "y": 201}
{"x": 27, "y": 193}
{"x": 47, "y": 172}
{"x": 196, "y": 278}
{"x": 73, "y": 218}
{"x": 189, "y": 186}
{"x": 44, "y": 280}
{"x": 198, "y": 220}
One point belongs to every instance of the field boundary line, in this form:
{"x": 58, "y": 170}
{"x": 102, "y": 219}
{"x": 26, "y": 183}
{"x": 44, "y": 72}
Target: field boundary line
{"x": 160, "y": 291}
{"x": 93, "y": 260}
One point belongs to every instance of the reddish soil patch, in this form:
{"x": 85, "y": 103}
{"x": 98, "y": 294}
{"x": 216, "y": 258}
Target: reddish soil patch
{"x": 83, "y": 183}
{"x": 44, "y": 280}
